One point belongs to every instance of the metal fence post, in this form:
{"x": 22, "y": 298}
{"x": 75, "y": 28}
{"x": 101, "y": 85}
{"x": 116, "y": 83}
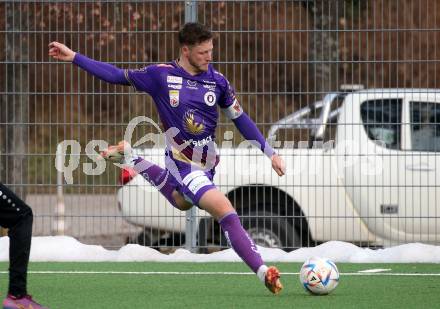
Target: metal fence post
{"x": 59, "y": 225}
{"x": 191, "y": 215}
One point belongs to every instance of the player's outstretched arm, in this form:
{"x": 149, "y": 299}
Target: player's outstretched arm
{"x": 102, "y": 70}
{"x": 250, "y": 132}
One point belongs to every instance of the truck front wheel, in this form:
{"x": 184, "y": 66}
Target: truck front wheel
{"x": 271, "y": 231}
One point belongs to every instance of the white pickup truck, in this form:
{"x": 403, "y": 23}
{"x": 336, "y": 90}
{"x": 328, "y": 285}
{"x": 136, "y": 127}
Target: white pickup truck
{"x": 368, "y": 173}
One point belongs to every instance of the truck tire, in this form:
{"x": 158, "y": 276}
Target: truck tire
{"x": 271, "y": 231}
{"x": 155, "y": 239}
{"x": 143, "y": 238}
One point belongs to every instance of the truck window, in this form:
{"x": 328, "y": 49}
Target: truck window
{"x": 382, "y": 120}
{"x": 425, "y": 126}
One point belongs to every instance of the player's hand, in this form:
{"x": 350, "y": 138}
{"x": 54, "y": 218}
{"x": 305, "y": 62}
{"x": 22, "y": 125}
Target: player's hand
{"x": 61, "y": 52}
{"x": 278, "y": 165}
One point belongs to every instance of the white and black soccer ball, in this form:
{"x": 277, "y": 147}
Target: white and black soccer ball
{"x": 319, "y": 276}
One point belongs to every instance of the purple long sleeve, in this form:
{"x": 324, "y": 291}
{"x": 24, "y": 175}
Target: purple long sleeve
{"x": 102, "y": 70}
{"x": 249, "y": 130}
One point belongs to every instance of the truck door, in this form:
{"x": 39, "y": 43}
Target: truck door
{"x": 421, "y": 168}
{"x": 376, "y": 169}
{"x": 392, "y": 178}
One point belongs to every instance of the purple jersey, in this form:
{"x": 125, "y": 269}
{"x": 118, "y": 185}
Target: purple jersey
{"x": 188, "y": 103}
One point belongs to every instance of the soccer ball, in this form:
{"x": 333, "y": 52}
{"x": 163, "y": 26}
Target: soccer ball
{"x": 319, "y": 276}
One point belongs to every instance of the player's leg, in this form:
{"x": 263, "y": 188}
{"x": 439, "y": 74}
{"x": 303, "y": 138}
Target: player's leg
{"x": 158, "y": 177}
{"x": 17, "y": 217}
{"x": 181, "y": 202}
{"x": 198, "y": 187}
{"x": 163, "y": 180}
{"x": 215, "y": 202}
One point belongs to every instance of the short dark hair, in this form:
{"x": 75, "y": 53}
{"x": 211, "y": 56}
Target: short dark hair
{"x": 194, "y": 33}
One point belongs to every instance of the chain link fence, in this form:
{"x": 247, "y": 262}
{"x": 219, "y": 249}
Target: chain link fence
{"x": 312, "y": 75}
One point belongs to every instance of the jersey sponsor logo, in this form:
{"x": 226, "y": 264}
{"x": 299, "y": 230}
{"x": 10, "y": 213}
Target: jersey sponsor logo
{"x": 210, "y": 98}
{"x": 209, "y": 87}
{"x": 174, "y": 79}
{"x": 174, "y": 98}
{"x": 193, "y": 123}
{"x": 175, "y": 86}
{"x": 200, "y": 142}
{"x": 208, "y": 84}
{"x": 144, "y": 69}
{"x": 191, "y": 84}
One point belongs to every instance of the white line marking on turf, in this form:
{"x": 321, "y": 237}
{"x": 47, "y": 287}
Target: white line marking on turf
{"x": 56, "y": 272}
{"x": 374, "y": 270}
{"x": 80, "y": 272}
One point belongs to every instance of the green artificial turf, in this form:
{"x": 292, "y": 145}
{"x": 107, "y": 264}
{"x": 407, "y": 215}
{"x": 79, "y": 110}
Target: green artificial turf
{"x": 241, "y": 290}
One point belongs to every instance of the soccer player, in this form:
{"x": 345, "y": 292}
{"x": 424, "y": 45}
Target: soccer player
{"x": 17, "y": 217}
{"x": 186, "y": 93}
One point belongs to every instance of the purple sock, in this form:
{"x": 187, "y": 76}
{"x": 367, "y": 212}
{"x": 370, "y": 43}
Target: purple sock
{"x": 157, "y": 177}
{"x": 240, "y": 241}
